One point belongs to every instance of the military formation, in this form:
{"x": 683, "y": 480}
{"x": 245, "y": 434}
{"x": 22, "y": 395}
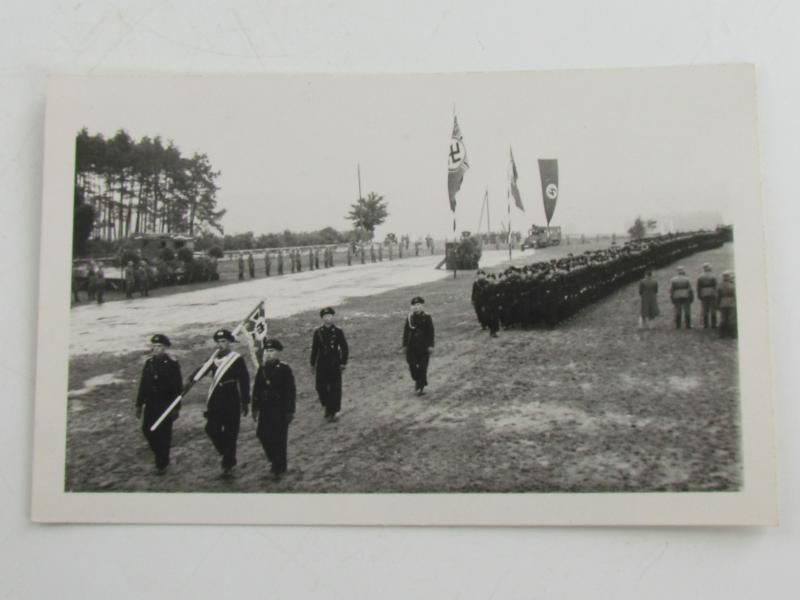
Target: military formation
{"x": 273, "y": 393}
{"x": 543, "y": 292}
{"x": 547, "y": 293}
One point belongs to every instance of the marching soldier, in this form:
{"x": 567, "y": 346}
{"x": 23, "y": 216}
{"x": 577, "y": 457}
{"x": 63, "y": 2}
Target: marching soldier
{"x": 273, "y": 406}
{"x": 160, "y": 384}
{"x": 707, "y": 292}
{"x": 680, "y": 292}
{"x": 329, "y": 354}
{"x": 726, "y": 302}
{"x": 418, "y": 338}
{"x": 228, "y": 397}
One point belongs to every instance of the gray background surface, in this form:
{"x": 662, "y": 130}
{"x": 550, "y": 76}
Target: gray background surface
{"x": 377, "y": 36}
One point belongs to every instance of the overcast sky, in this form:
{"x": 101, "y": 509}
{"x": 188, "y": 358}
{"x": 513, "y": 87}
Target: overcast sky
{"x": 629, "y": 142}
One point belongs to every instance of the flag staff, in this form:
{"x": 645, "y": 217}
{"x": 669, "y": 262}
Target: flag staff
{"x": 508, "y": 205}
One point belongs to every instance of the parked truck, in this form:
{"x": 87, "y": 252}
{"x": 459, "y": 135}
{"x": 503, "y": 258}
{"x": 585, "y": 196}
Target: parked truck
{"x": 541, "y": 237}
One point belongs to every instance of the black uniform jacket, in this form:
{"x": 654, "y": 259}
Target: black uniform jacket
{"x": 329, "y": 349}
{"x": 274, "y": 390}
{"x": 418, "y": 332}
{"x": 161, "y": 381}
{"x": 233, "y": 388}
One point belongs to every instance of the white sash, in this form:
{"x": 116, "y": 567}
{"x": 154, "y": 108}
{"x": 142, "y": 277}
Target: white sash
{"x": 222, "y": 367}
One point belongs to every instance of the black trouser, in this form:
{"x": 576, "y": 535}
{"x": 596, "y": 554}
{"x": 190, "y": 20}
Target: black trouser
{"x": 727, "y": 322}
{"x": 685, "y": 308}
{"x": 159, "y": 440}
{"x": 273, "y": 433}
{"x": 223, "y": 429}
{"x": 329, "y": 389}
{"x": 418, "y": 365}
{"x": 708, "y": 310}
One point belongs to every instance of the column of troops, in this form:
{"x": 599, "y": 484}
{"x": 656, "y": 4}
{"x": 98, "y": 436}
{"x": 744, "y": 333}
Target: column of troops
{"x": 270, "y": 396}
{"x": 550, "y": 292}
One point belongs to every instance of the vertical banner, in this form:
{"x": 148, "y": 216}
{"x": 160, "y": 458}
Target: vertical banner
{"x": 456, "y": 164}
{"x": 548, "y": 169}
{"x": 513, "y": 176}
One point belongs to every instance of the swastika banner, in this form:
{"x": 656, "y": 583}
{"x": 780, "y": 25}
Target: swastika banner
{"x": 548, "y": 169}
{"x": 456, "y": 163}
{"x": 513, "y": 176}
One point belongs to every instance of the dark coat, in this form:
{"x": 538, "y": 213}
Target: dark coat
{"x": 274, "y": 390}
{"x": 233, "y": 389}
{"x": 161, "y": 382}
{"x": 418, "y": 333}
{"x": 329, "y": 349}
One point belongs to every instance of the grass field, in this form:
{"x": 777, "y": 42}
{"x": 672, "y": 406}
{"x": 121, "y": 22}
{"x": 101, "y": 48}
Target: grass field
{"x": 592, "y": 405}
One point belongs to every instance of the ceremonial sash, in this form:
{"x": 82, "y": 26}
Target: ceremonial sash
{"x": 222, "y": 368}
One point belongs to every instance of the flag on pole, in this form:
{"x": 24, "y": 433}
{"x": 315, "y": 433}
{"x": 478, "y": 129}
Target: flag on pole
{"x": 548, "y": 169}
{"x": 513, "y": 176}
{"x": 256, "y": 328}
{"x": 456, "y": 164}
{"x": 204, "y": 368}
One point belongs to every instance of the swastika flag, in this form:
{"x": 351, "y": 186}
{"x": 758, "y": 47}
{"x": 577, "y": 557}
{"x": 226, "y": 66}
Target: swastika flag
{"x": 456, "y": 163}
{"x": 513, "y": 176}
{"x": 548, "y": 169}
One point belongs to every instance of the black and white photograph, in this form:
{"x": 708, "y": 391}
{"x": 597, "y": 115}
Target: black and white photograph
{"x": 512, "y": 294}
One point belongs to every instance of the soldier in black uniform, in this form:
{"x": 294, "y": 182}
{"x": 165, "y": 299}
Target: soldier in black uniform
{"x": 418, "y": 343}
{"x": 267, "y": 263}
{"x": 161, "y": 383}
{"x": 228, "y": 397}
{"x": 329, "y": 353}
{"x": 274, "y": 406}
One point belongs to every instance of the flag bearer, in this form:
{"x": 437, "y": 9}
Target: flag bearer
{"x": 228, "y": 397}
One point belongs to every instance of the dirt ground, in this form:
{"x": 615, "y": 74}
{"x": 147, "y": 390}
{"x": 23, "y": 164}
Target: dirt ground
{"x": 592, "y": 405}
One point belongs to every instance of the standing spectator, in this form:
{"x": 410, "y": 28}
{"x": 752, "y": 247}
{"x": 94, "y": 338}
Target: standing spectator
{"x": 241, "y": 266}
{"x": 251, "y": 265}
{"x": 143, "y": 273}
{"x": 680, "y": 292}
{"x": 130, "y": 279}
{"x": 726, "y": 302}
{"x": 100, "y": 283}
{"x": 91, "y": 281}
{"x": 267, "y": 262}
{"x": 648, "y": 295}
{"x": 707, "y": 292}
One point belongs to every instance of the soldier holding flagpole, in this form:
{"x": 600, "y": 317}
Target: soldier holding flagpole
{"x": 228, "y": 399}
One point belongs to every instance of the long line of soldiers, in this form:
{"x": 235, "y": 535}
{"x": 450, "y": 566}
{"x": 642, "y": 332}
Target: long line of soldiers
{"x": 550, "y": 292}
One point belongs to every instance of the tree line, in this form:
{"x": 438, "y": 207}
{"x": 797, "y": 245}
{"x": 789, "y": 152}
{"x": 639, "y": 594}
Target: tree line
{"x": 124, "y": 187}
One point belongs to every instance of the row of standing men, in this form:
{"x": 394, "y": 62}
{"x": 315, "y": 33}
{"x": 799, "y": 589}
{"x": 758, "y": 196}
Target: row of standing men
{"x": 550, "y": 292}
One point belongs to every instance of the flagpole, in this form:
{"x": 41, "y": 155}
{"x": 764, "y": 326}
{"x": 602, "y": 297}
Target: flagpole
{"x": 359, "y": 181}
{"x": 488, "y": 214}
{"x": 508, "y": 205}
